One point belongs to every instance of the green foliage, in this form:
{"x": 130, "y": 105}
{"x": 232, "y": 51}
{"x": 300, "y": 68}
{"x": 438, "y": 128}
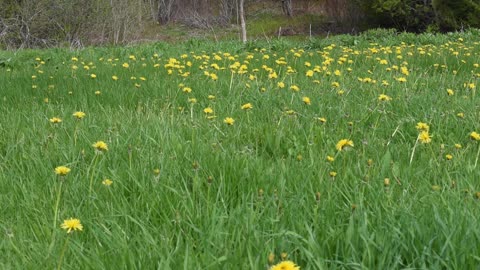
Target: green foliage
{"x": 454, "y": 15}
{"x": 404, "y": 15}
{"x": 224, "y": 197}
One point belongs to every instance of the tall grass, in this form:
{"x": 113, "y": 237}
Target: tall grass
{"x": 191, "y": 192}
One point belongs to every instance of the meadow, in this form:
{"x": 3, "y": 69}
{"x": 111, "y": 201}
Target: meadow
{"x": 349, "y": 152}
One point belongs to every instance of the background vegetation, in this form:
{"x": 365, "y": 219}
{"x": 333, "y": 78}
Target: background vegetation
{"x": 47, "y": 23}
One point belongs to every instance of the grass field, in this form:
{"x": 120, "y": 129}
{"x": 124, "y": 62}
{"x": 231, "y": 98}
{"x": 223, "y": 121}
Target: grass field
{"x": 353, "y": 152}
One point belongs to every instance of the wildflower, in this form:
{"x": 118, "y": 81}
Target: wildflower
{"x": 93, "y": 76}
{"x": 332, "y": 174}
{"x": 386, "y": 182}
{"x": 384, "y": 97}
{"x": 475, "y": 136}
{"x": 72, "y": 224}
{"x": 211, "y": 97}
{"x": 55, "y": 120}
{"x": 247, "y": 106}
{"x": 97, "y": 93}
{"x": 125, "y": 65}
{"x": 330, "y": 159}
{"x": 294, "y": 88}
{"x": 208, "y": 110}
{"x": 229, "y": 121}
{"x": 306, "y": 100}
{"x": 424, "y": 137}
{"x": 281, "y": 84}
{"x": 107, "y": 182}
{"x": 343, "y": 144}
{"x": 422, "y": 126}
{"x": 271, "y": 258}
{"x": 192, "y": 100}
{"x": 100, "y": 146}
{"x": 448, "y": 157}
{"x": 450, "y": 92}
{"x": 79, "y": 115}
{"x": 458, "y": 146}
{"x": 62, "y": 170}
{"x": 322, "y": 120}
{"x": 156, "y": 171}
{"x": 187, "y": 90}
{"x": 114, "y": 78}
{"x": 309, "y": 73}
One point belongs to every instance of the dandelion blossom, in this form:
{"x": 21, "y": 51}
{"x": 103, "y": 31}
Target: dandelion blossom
{"x": 208, "y": 110}
{"x": 422, "y": 126}
{"x": 229, "y": 121}
{"x": 72, "y": 224}
{"x": 55, "y": 120}
{"x": 343, "y": 144}
{"x": 384, "y": 97}
{"x": 475, "y": 136}
{"x": 107, "y": 182}
{"x": 100, "y": 146}
{"x": 306, "y": 100}
{"x": 62, "y": 170}
{"x": 285, "y": 265}
{"x": 247, "y": 106}
{"x": 424, "y": 137}
{"x": 79, "y": 115}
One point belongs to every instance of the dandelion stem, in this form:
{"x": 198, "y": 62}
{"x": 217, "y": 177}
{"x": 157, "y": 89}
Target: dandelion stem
{"x": 413, "y": 151}
{"x": 476, "y": 159}
{"x": 63, "y": 253}
{"x": 57, "y": 203}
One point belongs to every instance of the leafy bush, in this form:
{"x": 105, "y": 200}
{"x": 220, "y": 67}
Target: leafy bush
{"x": 455, "y": 15}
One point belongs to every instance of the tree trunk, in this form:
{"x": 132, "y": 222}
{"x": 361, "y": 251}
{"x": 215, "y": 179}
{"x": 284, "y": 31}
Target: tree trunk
{"x": 287, "y": 7}
{"x": 242, "y": 21}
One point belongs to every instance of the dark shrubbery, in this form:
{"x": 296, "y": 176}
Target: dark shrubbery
{"x": 422, "y": 15}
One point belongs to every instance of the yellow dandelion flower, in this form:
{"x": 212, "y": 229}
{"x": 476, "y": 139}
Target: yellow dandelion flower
{"x": 294, "y": 88}
{"x": 450, "y": 92}
{"x": 306, "y": 100}
{"x": 332, "y": 173}
{"x": 330, "y": 159}
{"x": 422, "y": 126}
{"x": 93, "y": 76}
{"x": 98, "y": 93}
{"x": 424, "y": 137}
{"x": 448, "y": 157}
{"x": 247, "y": 106}
{"x": 344, "y": 144}
{"x": 55, "y": 120}
{"x": 309, "y": 73}
{"x": 458, "y": 146}
{"x": 107, "y": 182}
{"x": 211, "y": 97}
{"x": 475, "y": 136}
{"x": 281, "y": 85}
{"x": 62, "y": 170}
{"x": 187, "y": 90}
{"x": 114, "y": 78}
{"x": 125, "y": 65}
{"x": 208, "y": 110}
{"x": 100, "y": 146}
{"x": 322, "y": 120}
{"x": 79, "y": 115}
{"x": 384, "y": 97}
{"x": 285, "y": 265}
{"x": 229, "y": 121}
{"x": 72, "y": 224}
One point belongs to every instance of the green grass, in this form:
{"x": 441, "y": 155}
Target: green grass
{"x": 228, "y": 196}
